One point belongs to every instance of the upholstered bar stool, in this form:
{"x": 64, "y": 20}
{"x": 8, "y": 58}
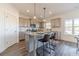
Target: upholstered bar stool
{"x": 77, "y": 44}
{"x": 44, "y": 40}
{"x": 53, "y": 38}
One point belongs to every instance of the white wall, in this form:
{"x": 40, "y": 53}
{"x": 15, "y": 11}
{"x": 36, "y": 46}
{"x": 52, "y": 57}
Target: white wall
{"x": 63, "y": 16}
{"x": 9, "y": 18}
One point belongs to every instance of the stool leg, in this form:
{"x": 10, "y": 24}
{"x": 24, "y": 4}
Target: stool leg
{"x": 37, "y": 47}
{"x": 49, "y": 47}
{"x": 43, "y": 48}
{"x": 77, "y": 47}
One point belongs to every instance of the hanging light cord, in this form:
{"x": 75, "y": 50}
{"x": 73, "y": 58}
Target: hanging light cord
{"x": 34, "y": 9}
{"x": 44, "y": 12}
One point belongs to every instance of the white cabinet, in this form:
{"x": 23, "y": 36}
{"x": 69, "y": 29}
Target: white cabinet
{"x": 22, "y": 35}
{"x": 8, "y": 27}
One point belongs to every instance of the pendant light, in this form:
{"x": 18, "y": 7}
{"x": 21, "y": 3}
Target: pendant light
{"x": 44, "y": 14}
{"x": 34, "y": 11}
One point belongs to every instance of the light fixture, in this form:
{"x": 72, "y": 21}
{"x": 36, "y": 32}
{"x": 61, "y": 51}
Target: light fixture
{"x": 44, "y": 20}
{"x": 44, "y": 14}
{"x": 28, "y": 11}
{"x": 50, "y": 12}
{"x": 34, "y": 11}
{"x": 34, "y": 17}
{"x": 41, "y": 16}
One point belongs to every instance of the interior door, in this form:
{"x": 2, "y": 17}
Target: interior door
{"x": 14, "y": 29}
{"x": 11, "y": 29}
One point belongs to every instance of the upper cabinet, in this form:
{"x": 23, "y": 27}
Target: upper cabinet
{"x": 56, "y": 23}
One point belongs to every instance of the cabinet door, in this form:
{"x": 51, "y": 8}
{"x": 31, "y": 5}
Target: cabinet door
{"x": 1, "y": 29}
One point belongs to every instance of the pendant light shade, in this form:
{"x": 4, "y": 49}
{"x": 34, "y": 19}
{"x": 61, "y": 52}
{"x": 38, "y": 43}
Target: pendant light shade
{"x": 44, "y": 14}
{"x": 34, "y": 11}
{"x": 34, "y": 17}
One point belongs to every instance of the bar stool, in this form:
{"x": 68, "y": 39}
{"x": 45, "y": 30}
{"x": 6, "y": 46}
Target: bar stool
{"x": 53, "y": 38}
{"x": 44, "y": 40}
{"x": 77, "y": 38}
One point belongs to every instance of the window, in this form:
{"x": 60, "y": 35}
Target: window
{"x": 68, "y": 26}
{"x": 72, "y": 26}
{"x": 76, "y": 26}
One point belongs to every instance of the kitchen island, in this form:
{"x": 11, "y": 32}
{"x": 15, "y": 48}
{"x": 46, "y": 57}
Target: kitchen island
{"x": 31, "y": 41}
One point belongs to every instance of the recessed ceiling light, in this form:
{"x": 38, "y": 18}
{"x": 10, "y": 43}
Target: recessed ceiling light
{"x": 44, "y": 20}
{"x": 28, "y": 11}
{"x": 50, "y": 12}
{"x": 41, "y": 16}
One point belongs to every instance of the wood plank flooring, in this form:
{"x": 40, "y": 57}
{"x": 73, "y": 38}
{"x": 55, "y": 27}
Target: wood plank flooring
{"x": 17, "y": 49}
{"x": 63, "y": 48}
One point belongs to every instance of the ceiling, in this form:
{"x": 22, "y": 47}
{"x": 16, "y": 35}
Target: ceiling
{"x": 52, "y": 9}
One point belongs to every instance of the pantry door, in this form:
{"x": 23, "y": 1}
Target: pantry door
{"x": 11, "y": 29}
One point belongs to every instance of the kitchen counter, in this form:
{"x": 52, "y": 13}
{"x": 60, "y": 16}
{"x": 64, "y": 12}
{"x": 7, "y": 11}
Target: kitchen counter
{"x": 31, "y": 40}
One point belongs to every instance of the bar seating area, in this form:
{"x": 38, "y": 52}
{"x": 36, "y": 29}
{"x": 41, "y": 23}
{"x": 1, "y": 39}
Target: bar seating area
{"x": 48, "y": 47}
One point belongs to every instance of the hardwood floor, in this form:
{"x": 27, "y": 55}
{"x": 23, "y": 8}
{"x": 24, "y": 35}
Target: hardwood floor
{"x": 17, "y": 49}
{"x": 63, "y": 48}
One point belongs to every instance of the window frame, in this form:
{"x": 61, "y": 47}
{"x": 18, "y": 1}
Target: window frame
{"x": 65, "y": 27}
{"x": 73, "y": 26}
